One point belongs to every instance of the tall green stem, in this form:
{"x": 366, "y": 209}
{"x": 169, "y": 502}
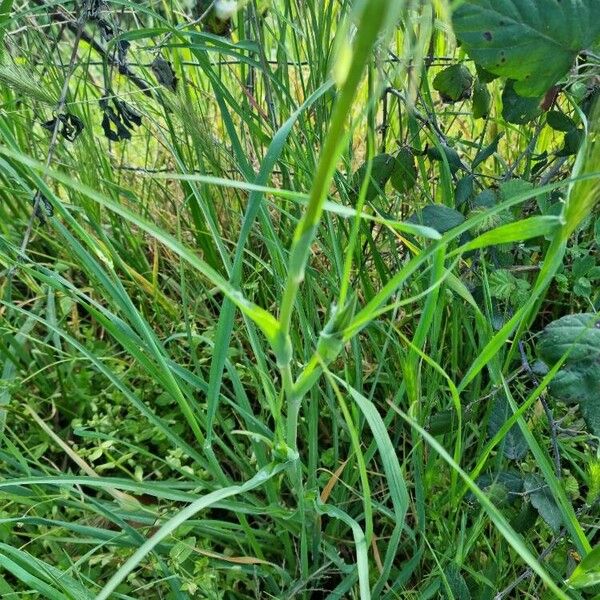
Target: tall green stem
{"x": 373, "y": 16}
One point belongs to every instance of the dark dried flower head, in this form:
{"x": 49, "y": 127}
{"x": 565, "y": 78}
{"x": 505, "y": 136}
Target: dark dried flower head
{"x": 118, "y": 119}
{"x": 43, "y": 207}
{"x": 122, "y": 49}
{"x": 69, "y": 126}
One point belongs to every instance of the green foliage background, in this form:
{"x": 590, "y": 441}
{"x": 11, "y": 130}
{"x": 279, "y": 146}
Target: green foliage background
{"x": 301, "y": 302}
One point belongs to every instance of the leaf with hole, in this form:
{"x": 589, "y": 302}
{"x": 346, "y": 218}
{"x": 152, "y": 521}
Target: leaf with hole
{"x": 534, "y": 42}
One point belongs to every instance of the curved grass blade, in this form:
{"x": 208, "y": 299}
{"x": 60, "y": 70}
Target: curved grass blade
{"x": 497, "y": 518}
{"x": 187, "y": 513}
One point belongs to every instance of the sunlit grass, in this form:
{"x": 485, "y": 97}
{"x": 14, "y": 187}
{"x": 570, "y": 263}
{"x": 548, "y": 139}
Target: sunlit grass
{"x": 224, "y": 364}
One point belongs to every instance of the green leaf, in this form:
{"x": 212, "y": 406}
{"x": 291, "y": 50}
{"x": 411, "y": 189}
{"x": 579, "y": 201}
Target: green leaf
{"x": 591, "y": 409}
{"x": 486, "y": 152}
{"x": 482, "y": 100}
{"x": 496, "y": 517}
{"x": 579, "y": 333}
{"x": 182, "y": 550}
{"x": 456, "y": 582}
{"x": 517, "y": 109}
{"x": 439, "y": 217}
{"x": 514, "y": 232}
{"x": 579, "y": 384}
{"x": 583, "y": 287}
{"x": 5, "y": 10}
{"x": 583, "y": 265}
{"x": 44, "y": 578}
{"x": 502, "y": 488}
{"x": 587, "y": 572}
{"x": 483, "y": 75}
{"x": 579, "y": 381}
{"x": 381, "y": 170}
{"x": 514, "y": 187}
{"x": 544, "y": 503}
{"x": 464, "y": 189}
{"x": 514, "y": 444}
{"x": 486, "y": 199}
{"x": 559, "y": 121}
{"x": 573, "y": 141}
{"x": 404, "y": 175}
{"x": 532, "y": 41}
{"x": 180, "y": 518}
{"x": 454, "y": 83}
{"x": 451, "y": 155}
{"x": 525, "y": 519}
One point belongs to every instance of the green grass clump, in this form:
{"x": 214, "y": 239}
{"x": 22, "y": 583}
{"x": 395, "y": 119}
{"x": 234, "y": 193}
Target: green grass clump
{"x": 272, "y": 290}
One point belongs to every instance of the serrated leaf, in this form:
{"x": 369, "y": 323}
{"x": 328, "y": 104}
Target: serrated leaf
{"x": 582, "y": 287}
{"x": 579, "y": 383}
{"x": 502, "y": 488}
{"x": 439, "y": 217}
{"x": 517, "y": 109}
{"x": 464, "y": 189}
{"x": 404, "y": 175}
{"x": 485, "y": 199}
{"x": 541, "y": 498}
{"x": 580, "y": 333}
{"x": 482, "y": 100}
{"x": 456, "y": 583}
{"x": 532, "y": 41}
{"x": 514, "y": 444}
{"x": 583, "y": 265}
{"x": 513, "y": 187}
{"x": 454, "y": 83}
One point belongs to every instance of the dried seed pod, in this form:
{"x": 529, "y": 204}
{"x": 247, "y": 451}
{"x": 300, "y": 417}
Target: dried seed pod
{"x": 118, "y": 119}
{"x": 43, "y": 207}
{"x": 69, "y": 126}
